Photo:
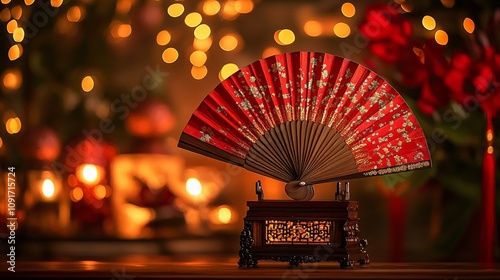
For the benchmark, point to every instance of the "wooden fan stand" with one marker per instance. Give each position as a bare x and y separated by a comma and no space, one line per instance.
302,231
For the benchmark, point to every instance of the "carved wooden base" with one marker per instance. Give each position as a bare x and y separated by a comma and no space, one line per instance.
297,232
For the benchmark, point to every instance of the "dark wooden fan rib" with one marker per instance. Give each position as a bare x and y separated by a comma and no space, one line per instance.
194,144
328,144
335,160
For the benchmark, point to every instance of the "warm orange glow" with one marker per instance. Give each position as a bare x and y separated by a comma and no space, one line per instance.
87,83
100,192
284,37
348,9
175,10
15,51
193,186
227,70
441,37
469,25
229,11
313,28
5,1
56,3
29,2
17,12
202,45
342,30
12,79
13,125
12,26
72,180
123,6
406,7
448,3
1,142
428,22
270,51
229,42
211,7
89,174
193,19
243,6
224,214
199,73
75,14
202,31
113,28
124,30
48,188
489,135
198,58
490,150
18,34
163,38
5,15
76,194
170,55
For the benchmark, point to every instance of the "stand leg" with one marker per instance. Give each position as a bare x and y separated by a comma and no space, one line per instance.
246,242
346,262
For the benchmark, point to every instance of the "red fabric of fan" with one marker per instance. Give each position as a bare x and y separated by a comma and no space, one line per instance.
308,117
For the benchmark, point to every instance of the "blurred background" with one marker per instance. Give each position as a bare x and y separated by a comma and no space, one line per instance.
94,96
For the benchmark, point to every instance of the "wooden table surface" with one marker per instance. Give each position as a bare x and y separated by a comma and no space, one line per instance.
143,267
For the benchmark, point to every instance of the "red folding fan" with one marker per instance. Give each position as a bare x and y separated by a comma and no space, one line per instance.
306,118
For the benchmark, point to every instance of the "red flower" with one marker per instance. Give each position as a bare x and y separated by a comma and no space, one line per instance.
474,83
431,70
388,33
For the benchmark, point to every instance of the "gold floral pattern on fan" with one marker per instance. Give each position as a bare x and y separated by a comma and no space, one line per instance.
308,117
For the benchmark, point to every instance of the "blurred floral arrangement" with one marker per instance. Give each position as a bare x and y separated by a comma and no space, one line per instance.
452,82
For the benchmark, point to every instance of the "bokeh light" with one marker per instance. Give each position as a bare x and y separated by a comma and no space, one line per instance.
227,70
342,30
202,45
175,10
469,25
199,73
13,125
429,22
202,31
170,55
15,51
193,19
87,83
163,37
441,37
18,34
193,187
243,6
198,58
56,3
228,42
211,7
348,9
284,37
75,14
313,28
12,79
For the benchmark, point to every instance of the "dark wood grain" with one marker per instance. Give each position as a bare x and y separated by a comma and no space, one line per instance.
227,268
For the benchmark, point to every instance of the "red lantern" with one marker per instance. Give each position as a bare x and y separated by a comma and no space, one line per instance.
86,162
